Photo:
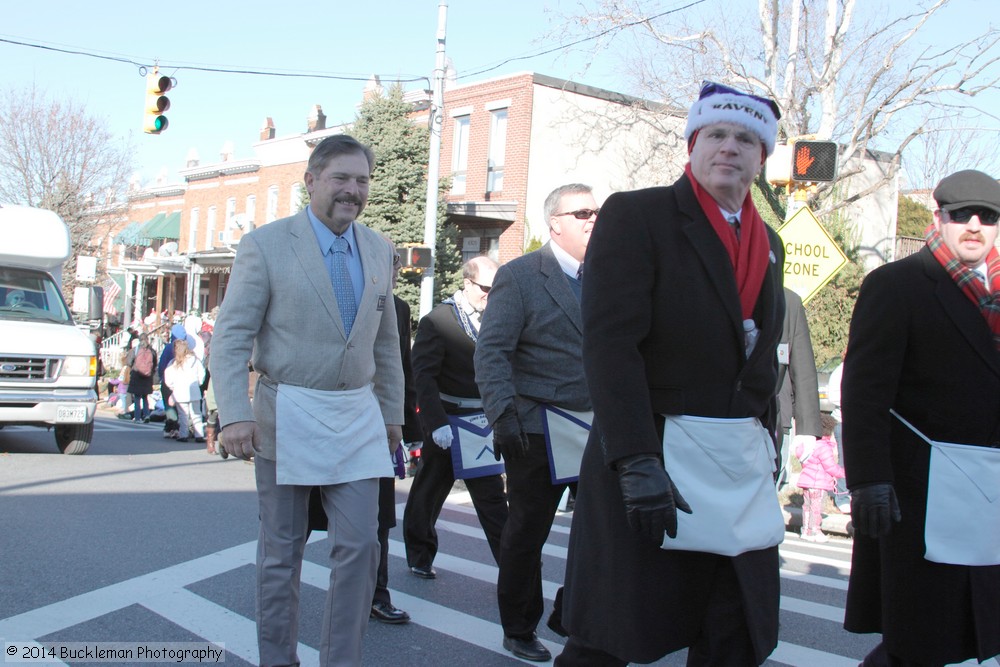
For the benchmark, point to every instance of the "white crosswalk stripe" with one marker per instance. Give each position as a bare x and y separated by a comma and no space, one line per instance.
813,603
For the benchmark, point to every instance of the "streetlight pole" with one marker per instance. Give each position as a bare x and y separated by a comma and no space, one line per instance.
434,161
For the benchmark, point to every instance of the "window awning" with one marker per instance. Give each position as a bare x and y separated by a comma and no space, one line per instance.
163,226
150,225
130,236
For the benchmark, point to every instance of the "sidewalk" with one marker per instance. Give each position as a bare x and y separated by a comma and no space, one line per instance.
836,523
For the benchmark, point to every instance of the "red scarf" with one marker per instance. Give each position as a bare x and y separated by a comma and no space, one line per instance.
988,301
750,255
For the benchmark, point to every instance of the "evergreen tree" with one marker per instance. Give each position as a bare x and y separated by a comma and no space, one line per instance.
398,195
912,218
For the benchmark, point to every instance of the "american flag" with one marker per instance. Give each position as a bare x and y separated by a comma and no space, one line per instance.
111,292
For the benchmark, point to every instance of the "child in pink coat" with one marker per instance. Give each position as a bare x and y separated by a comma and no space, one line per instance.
820,472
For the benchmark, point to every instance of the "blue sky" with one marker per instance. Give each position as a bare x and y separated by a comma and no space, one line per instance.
393,38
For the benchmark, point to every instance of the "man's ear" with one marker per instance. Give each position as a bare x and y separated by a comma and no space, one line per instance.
937,219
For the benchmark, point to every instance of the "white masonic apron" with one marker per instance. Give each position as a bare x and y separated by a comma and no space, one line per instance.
329,437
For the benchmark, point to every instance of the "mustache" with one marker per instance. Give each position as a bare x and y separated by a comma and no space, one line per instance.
348,200
972,236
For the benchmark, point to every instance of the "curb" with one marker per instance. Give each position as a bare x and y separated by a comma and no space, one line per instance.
839,524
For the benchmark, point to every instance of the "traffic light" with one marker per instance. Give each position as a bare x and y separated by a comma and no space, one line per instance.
417,257
814,161
154,121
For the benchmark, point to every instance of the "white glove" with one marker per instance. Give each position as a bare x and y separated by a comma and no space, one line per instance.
807,444
442,436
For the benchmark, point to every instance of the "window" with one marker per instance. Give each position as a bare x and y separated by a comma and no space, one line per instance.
498,149
193,231
295,201
251,209
210,228
272,203
460,155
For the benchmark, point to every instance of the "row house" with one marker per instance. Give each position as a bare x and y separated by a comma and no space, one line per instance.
506,143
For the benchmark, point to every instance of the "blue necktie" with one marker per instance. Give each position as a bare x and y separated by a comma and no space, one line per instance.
343,288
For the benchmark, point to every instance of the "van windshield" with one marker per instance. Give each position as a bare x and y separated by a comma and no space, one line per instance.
31,295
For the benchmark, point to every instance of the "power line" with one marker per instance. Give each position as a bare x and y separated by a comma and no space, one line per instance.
337,77
560,47
219,70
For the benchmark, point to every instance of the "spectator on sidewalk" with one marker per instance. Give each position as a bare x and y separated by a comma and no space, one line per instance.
820,472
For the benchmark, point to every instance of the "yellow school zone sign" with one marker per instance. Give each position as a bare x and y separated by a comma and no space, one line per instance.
812,258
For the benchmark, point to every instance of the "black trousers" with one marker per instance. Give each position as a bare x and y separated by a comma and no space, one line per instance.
431,486
533,500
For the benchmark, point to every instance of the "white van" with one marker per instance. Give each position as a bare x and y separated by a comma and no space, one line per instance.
48,367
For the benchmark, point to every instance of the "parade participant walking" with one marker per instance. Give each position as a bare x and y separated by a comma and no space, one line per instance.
923,364
798,389
445,380
310,300
529,354
683,308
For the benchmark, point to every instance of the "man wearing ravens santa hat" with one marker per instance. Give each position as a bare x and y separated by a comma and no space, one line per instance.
682,313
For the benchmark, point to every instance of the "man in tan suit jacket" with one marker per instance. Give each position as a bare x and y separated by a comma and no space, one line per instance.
310,304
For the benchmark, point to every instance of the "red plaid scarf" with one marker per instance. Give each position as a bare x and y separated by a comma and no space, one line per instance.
969,281
750,255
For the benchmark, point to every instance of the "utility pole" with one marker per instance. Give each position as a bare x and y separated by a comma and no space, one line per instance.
434,161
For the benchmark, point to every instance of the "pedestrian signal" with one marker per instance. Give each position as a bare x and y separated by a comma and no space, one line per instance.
814,161
154,121
417,257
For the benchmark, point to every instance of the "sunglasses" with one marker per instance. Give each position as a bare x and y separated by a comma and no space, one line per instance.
583,213
486,288
986,216
712,88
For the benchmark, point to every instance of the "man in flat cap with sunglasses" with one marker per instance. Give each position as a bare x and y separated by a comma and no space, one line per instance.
922,366
682,314
527,357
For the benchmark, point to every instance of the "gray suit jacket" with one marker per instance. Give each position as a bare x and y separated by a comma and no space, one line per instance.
281,309
530,342
798,388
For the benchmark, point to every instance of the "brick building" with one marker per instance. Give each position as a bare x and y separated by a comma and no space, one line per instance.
506,143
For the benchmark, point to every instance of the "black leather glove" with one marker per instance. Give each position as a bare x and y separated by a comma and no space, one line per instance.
872,507
651,499
509,439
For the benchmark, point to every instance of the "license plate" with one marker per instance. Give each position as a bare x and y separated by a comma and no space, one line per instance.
71,415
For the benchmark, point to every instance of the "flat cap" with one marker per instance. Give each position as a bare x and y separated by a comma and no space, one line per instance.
968,188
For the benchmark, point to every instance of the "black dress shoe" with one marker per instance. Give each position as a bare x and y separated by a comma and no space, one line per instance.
385,612
527,649
424,572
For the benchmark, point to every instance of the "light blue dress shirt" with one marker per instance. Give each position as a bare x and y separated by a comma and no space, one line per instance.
325,239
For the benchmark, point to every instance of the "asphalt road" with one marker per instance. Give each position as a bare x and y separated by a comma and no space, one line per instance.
147,540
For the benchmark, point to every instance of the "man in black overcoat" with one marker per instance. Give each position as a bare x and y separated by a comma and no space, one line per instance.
682,312
924,342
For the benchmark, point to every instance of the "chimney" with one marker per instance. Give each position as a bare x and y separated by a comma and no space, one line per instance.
192,158
267,130
373,88
317,119
226,153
